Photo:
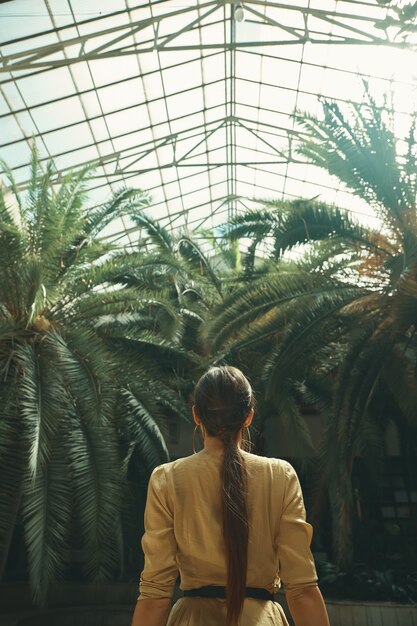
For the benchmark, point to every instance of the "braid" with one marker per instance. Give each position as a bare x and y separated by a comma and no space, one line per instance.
235,528
223,398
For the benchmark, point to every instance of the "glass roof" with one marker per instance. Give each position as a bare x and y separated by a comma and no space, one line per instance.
188,102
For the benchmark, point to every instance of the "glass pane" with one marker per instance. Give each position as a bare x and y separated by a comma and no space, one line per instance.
54,84
58,114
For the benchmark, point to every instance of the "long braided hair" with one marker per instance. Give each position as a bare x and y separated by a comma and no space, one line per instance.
223,399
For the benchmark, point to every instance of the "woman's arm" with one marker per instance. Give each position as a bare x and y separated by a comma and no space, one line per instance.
307,606
151,612
296,563
157,580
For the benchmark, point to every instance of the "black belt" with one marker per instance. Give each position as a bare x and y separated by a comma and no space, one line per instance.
211,591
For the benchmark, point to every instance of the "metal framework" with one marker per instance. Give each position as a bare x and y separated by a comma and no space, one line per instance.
347,28
187,101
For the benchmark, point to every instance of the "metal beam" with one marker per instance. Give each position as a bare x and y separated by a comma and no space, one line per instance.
201,134
354,30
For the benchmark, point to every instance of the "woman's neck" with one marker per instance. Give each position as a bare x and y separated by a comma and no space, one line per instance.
215,444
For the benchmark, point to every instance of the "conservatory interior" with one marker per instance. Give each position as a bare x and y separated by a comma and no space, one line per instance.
198,183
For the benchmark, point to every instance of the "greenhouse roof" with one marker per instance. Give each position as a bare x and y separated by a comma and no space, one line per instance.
192,101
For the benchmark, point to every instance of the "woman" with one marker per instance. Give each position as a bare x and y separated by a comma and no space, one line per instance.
232,524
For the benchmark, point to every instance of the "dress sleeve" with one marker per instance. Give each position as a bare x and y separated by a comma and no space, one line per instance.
159,544
296,563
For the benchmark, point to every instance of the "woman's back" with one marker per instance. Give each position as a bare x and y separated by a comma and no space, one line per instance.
230,523
184,533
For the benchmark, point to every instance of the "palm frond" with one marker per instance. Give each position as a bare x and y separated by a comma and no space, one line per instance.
158,235
285,406
297,347
39,205
317,221
12,466
132,269
228,251
129,306
196,258
145,435
70,198
400,377
81,359
95,475
254,301
360,148
6,214
14,188
256,224
63,217
82,243
12,248
125,201
148,350
40,391
81,318
47,515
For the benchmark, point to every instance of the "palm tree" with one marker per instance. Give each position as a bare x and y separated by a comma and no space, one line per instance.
259,320
377,376
346,311
184,272
76,406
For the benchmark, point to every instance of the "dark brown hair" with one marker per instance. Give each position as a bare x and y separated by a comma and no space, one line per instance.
223,398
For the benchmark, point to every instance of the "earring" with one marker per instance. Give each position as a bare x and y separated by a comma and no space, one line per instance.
194,432
247,439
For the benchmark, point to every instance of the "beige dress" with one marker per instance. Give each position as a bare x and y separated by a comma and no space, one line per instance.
183,536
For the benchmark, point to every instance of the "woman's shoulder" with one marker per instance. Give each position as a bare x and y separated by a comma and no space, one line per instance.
272,464
275,464
177,464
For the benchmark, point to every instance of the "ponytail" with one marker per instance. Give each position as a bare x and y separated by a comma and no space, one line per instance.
223,399
235,528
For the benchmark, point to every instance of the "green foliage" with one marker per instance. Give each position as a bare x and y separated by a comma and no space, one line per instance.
74,405
368,585
344,314
401,17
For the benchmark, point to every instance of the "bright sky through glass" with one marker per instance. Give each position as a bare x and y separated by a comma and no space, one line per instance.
181,100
